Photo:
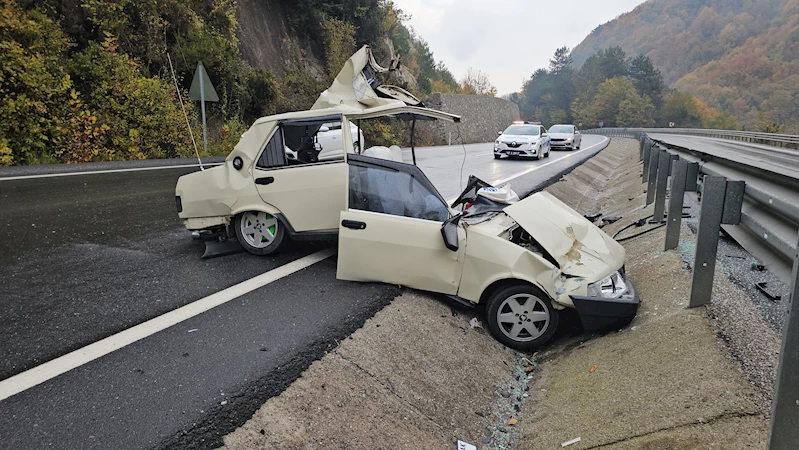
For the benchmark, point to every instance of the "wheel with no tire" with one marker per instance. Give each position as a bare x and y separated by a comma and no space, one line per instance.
258,232
521,317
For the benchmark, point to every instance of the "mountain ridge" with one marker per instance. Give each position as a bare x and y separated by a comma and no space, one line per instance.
738,56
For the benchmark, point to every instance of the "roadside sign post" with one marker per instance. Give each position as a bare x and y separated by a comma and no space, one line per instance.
202,90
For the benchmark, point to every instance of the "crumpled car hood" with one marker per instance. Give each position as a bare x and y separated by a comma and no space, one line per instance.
580,247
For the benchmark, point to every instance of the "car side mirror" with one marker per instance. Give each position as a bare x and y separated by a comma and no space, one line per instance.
323,129
449,231
544,134
576,132
499,133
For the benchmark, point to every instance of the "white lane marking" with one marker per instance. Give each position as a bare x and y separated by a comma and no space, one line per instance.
525,172
77,358
95,172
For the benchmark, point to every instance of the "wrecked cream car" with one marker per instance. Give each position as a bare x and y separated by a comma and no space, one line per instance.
280,181
524,260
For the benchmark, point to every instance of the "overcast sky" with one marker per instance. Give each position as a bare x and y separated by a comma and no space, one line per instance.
507,39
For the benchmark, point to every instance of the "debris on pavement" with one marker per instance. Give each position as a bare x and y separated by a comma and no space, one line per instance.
762,286
475,323
465,446
593,368
512,421
568,443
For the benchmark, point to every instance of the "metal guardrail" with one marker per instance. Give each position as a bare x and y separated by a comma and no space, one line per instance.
775,140
762,208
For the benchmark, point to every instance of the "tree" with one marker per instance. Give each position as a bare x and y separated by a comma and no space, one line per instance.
682,109
765,125
476,82
617,104
647,79
561,61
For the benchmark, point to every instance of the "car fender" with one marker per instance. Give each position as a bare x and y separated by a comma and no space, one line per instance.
254,205
490,259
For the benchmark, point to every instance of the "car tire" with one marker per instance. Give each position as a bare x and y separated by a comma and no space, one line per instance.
527,300
258,232
497,156
546,155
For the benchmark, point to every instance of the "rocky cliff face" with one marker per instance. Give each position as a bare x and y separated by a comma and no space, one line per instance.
481,117
267,41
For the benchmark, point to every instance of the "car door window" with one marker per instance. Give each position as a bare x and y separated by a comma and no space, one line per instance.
274,154
394,192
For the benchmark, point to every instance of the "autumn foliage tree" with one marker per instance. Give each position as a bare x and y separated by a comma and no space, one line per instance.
476,82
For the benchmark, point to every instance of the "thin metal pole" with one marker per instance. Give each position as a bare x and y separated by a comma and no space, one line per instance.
185,115
784,430
202,103
360,150
413,129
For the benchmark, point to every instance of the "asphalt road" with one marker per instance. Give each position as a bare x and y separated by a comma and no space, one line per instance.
86,256
783,161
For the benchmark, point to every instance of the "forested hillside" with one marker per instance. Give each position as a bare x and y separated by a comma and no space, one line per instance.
611,89
90,80
738,56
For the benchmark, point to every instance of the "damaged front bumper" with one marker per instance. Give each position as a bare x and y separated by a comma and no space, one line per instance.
604,313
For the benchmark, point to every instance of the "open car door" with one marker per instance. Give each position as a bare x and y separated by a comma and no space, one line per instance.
391,229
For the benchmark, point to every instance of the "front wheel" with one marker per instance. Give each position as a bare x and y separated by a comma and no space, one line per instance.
258,232
521,317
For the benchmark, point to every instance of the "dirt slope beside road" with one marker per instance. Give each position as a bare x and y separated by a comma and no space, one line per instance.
664,381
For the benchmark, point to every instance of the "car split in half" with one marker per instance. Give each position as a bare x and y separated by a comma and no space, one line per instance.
522,139
526,261
565,137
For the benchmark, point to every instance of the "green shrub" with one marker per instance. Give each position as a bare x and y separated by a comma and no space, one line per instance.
34,87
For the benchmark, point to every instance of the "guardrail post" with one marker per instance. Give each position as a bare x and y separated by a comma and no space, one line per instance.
721,204
784,429
647,154
664,167
654,156
690,179
707,239
676,198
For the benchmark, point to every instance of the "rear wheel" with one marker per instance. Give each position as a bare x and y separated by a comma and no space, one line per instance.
521,317
258,232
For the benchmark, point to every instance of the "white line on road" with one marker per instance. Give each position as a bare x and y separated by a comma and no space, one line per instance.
77,358
526,171
96,172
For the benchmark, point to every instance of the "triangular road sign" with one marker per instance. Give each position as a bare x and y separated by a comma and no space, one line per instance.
201,87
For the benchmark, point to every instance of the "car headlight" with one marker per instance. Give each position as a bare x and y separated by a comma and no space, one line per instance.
612,286
568,139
